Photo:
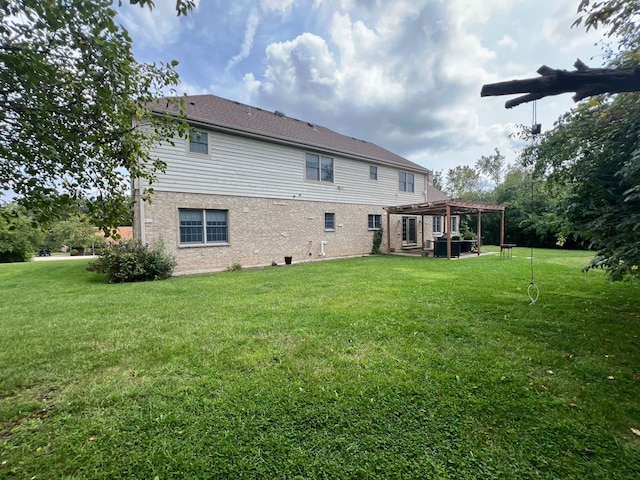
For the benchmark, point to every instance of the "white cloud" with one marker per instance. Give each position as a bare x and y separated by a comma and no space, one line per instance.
405,74
247,43
281,6
160,26
508,42
558,33
302,68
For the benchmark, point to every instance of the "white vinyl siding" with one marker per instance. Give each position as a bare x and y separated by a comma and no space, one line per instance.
245,167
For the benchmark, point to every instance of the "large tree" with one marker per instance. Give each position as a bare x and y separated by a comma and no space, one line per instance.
74,117
595,150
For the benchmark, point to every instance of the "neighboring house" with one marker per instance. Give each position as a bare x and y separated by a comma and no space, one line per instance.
251,186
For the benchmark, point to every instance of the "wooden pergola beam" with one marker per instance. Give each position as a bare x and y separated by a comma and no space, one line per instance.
584,81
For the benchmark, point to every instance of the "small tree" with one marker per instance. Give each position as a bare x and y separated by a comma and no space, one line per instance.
377,241
76,231
19,238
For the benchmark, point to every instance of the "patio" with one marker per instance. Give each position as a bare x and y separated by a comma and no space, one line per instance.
447,208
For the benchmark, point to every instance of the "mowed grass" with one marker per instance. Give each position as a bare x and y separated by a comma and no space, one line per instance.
376,367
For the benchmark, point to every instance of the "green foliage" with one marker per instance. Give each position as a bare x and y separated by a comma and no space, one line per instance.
618,17
75,108
377,241
182,6
234,267
133,262
438,180
463,182
19,238
492,167
595,151
75,231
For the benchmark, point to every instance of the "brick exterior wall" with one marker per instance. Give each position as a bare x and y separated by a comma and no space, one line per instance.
262,231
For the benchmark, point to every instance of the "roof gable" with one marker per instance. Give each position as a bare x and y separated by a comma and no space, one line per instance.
219,113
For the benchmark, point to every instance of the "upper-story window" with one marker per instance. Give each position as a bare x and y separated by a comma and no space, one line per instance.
198,142
373,172
319,168
406,182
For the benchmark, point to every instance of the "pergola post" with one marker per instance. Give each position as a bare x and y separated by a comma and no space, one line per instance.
446,229
502,227
479,231
422,227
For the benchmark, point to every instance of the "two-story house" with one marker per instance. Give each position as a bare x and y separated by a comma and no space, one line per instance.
251,186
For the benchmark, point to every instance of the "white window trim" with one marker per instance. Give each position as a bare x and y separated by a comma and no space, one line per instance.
324,219
320,181
374,228
188,146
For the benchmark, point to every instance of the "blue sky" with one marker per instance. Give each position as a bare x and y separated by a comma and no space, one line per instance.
405,75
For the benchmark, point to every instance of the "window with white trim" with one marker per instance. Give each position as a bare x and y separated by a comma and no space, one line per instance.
454,224
375,222
198,142
437,224
406,182
329,221
373,172
318,168
203,227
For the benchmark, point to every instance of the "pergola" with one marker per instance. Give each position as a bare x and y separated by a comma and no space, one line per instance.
447,208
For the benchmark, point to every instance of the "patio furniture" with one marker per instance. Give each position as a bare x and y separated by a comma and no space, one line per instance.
505,250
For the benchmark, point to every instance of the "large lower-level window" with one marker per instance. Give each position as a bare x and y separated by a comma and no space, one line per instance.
198,227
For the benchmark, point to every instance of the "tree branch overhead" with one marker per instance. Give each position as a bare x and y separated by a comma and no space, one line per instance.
584,82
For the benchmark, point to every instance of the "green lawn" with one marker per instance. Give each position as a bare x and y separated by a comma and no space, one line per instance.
377,367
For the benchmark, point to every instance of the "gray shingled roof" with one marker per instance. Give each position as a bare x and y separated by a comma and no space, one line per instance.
221,114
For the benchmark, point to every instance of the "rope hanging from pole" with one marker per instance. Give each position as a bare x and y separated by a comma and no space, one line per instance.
533,291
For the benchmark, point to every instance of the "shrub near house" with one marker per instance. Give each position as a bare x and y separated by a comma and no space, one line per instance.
133,262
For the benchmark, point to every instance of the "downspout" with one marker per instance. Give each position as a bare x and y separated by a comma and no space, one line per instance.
139,204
